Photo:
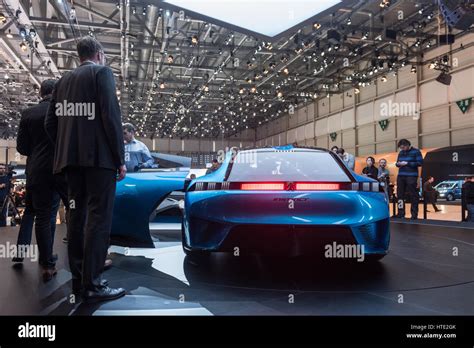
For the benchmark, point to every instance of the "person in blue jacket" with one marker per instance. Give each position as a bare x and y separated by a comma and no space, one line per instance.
408,162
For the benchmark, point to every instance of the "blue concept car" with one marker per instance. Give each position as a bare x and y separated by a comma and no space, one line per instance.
142,194
284,199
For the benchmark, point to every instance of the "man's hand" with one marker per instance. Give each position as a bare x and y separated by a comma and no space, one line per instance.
122,171
402,164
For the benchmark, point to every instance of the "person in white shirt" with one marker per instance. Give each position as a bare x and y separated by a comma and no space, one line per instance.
137,155
347,158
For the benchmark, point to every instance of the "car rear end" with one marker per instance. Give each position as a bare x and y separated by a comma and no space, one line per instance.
294,201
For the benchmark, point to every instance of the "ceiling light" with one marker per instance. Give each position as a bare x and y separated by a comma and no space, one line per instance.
413,69
23,46
32,33
23,32
9,34
3,18
384,3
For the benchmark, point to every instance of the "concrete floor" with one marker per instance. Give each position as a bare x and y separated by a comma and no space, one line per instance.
420,276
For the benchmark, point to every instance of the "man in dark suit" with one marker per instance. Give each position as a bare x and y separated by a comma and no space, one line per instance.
84,121
41,184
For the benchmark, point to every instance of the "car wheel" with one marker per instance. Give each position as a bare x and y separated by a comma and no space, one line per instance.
450,197
195,256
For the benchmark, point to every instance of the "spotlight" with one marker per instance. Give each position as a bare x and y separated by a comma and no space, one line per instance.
317,25
23,32
32,33
433,65
9,34
444,78
170,59
3,18
356,90
253,89
280,94
384,3
162,85
286,71
241,91
384,78
23,46
194,40
413,69
72,14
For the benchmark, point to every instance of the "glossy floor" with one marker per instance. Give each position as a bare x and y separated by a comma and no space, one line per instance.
421,276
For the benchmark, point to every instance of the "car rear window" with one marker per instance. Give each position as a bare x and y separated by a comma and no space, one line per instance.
297,165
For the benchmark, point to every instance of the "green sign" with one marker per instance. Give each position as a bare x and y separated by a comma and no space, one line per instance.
384,124
333,136
464,104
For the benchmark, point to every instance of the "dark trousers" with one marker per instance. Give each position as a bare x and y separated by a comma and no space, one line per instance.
42,200
28,218
406,190
3,209
91,193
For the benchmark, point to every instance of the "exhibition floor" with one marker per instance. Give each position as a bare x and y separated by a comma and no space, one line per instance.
420,276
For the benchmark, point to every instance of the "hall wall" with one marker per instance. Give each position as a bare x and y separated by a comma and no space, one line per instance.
353,119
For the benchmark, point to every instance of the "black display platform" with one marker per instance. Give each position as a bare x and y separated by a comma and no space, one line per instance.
420,270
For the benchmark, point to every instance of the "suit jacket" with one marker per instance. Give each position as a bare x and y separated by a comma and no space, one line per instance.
84,120
32,141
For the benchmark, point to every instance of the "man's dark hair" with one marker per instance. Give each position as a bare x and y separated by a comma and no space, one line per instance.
403,142
341,151
215,161
88,47
129,127
47,87
334,147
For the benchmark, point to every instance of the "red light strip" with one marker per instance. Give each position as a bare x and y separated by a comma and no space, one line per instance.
263,187
317,187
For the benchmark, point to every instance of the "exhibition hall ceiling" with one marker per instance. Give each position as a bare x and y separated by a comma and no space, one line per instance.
212,68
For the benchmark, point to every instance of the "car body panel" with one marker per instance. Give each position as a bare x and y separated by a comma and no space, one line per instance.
137,196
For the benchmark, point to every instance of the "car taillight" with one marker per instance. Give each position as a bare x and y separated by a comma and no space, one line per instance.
317,187
263,187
